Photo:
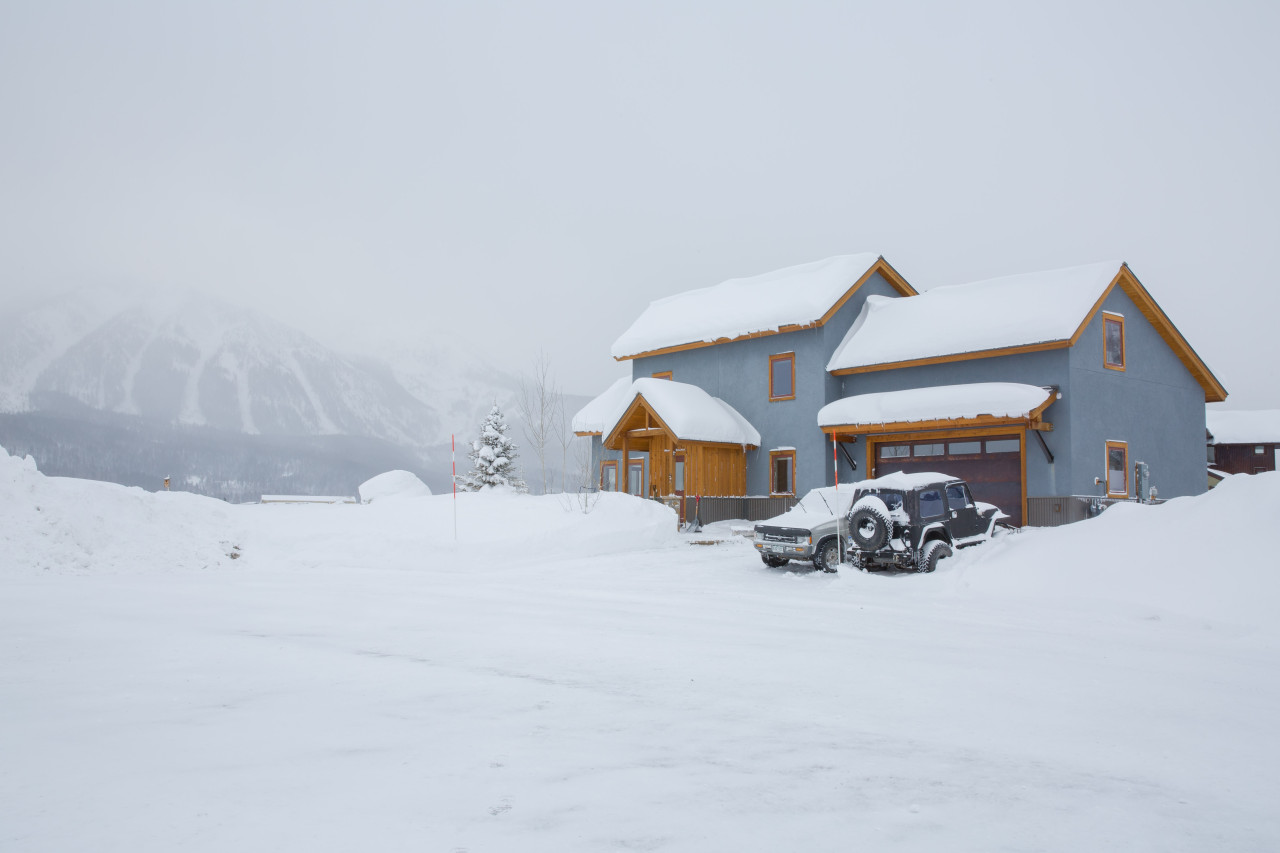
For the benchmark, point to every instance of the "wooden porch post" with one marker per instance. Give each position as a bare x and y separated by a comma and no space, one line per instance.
625,474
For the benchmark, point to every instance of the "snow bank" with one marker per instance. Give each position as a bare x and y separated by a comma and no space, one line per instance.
494,528
1252,427
1002,312
393,484
797,295
63,524
942,402
1208,557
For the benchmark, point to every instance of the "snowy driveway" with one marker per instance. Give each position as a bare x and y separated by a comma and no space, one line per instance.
676,698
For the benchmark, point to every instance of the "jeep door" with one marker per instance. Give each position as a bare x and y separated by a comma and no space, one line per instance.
966,521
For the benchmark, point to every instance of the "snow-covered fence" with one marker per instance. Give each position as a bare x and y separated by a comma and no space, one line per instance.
1056,511
754,508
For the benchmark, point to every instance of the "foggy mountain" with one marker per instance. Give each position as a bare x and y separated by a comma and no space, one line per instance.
133,386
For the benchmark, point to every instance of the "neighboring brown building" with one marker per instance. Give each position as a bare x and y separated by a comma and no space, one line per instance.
1244,442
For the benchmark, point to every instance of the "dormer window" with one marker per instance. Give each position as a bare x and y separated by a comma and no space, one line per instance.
1113,341
782,376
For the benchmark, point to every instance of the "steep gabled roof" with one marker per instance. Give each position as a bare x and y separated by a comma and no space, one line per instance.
685,412
785,300
591,418
1002,316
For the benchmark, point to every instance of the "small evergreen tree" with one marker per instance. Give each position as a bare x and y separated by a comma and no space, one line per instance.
493,456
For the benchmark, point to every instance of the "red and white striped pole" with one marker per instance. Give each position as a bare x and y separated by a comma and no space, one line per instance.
453,460
835,466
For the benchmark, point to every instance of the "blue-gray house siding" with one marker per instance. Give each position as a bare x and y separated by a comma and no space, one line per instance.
738,373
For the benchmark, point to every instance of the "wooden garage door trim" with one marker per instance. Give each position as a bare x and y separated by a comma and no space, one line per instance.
902,437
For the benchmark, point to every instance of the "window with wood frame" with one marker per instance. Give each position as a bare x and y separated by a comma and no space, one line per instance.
665,374
635,477
1117,469
1113,341
782,376
782,472
608,476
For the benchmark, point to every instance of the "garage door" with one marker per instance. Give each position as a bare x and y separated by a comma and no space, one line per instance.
991,464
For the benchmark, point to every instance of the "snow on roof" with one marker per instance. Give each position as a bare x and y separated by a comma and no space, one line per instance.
691,413
798,295
1261,426
591,417
940,402
1012,311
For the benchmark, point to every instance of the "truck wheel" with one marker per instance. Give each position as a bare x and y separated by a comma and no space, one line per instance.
827,555
933,551
774,562
870,528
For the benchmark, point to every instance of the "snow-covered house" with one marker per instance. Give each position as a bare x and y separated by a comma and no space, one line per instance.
1244,442
1039,385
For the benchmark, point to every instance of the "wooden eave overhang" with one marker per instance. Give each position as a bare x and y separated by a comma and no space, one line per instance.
641,422
1214,392
880,266
587,433
1032,420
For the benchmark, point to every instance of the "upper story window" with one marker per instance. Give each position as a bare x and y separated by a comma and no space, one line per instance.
1113,341
782,376
665,374
1117,469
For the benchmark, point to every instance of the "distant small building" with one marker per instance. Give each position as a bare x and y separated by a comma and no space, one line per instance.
309,499
1243,442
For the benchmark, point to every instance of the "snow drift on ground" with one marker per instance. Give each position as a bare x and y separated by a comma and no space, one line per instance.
573,676
1207,557
393,484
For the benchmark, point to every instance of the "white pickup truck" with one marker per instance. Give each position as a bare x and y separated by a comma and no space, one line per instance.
813,530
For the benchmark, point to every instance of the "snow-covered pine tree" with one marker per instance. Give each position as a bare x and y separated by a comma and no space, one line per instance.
493,456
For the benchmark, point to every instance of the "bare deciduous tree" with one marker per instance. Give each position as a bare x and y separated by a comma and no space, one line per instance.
536,402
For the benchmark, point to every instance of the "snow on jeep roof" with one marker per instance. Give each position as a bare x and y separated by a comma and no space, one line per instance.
905,481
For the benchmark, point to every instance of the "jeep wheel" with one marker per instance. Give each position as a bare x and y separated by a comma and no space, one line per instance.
827,555
933,551
774,562
870,528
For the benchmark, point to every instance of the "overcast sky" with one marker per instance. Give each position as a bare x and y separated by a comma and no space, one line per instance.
521,176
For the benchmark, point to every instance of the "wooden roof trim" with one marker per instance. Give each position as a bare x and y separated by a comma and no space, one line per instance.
975,423
588,433
613,441
638,404
1214,391
880,266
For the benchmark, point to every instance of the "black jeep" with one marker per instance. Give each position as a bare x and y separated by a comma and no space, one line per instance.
911,521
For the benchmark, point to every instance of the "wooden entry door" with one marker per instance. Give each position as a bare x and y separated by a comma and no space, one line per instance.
677,480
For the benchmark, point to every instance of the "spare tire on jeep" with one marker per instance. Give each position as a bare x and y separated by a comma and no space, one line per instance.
869,525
